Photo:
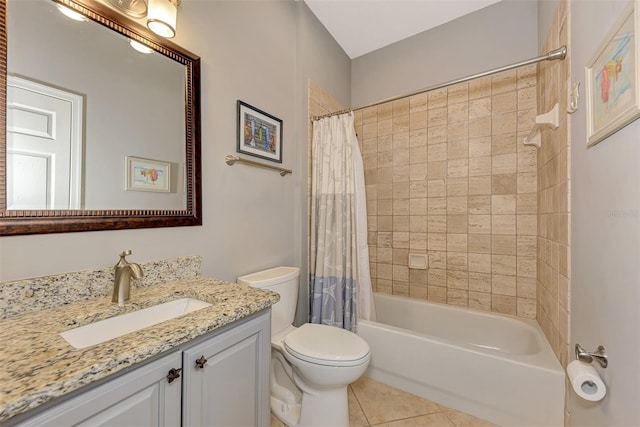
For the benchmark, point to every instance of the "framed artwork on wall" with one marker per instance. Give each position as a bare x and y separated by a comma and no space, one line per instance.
147,175
259,133
612,75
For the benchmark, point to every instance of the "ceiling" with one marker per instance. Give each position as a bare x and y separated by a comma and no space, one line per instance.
362,26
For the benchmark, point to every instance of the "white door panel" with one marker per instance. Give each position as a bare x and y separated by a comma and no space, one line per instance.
44,148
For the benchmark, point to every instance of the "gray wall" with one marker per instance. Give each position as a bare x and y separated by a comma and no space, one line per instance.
252,217
500,34
605,230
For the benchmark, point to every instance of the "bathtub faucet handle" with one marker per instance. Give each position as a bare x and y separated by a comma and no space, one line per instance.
600,355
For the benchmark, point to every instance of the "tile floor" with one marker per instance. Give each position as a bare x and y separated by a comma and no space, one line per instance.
375,404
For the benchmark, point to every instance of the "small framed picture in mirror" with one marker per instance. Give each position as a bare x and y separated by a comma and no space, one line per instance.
147,175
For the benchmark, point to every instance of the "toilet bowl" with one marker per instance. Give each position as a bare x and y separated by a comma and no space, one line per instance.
312,365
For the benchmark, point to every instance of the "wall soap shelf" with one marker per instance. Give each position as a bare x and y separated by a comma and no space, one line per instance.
550,118
231,160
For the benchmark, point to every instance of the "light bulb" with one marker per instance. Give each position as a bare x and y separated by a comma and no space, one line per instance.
70,13
161,18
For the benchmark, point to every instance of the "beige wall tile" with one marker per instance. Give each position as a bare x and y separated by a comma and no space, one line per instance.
446,175
418,138
457,297
480,127
437,260
456,243
479,263
457,224
504,144
457,186
479,88
457,261
437,223
418,103
503,244
504,82
504,265
417,206
503,204
457,131
437,242
437,294
458,112
504,102
456,205
503,304
480,301
479,185
458,93
479,166
479,243
479,205
479,147
503,224
479,282
437,277
458,150
437,134
504,123
505,184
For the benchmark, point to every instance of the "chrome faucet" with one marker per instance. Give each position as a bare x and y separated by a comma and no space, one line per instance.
122,281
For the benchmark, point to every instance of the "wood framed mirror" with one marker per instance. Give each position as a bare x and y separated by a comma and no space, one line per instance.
129,126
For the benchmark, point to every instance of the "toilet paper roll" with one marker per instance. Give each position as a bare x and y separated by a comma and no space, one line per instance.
585,381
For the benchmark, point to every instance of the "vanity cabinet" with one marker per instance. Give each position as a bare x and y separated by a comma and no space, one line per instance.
226,379
230,389
142,397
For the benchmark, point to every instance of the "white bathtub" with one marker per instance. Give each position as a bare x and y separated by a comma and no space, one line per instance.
495,367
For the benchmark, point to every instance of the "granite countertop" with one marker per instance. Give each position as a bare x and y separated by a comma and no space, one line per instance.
39,365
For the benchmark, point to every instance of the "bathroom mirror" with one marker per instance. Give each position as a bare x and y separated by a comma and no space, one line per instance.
97,135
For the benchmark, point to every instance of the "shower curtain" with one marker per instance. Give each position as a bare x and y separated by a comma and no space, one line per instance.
340,283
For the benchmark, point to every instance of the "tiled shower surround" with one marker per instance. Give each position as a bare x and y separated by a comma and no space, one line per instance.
447,175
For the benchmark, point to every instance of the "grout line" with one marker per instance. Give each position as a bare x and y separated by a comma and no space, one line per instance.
360,405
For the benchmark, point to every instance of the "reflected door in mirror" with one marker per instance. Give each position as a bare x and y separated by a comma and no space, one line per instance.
44,146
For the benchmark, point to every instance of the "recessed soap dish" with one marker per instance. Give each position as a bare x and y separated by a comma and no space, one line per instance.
418,261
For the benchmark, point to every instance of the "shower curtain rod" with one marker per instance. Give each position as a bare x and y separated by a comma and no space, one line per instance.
559,53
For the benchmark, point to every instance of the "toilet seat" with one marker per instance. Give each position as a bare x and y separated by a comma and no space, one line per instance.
326,345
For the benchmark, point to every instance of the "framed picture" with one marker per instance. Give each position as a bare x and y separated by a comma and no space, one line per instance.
147,175
613,94
259,133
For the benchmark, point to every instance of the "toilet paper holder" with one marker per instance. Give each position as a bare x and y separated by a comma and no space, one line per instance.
600,355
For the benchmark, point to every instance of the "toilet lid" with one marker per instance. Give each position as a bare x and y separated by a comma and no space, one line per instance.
326,345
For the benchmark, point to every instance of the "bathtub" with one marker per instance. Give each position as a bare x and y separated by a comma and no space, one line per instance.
495,367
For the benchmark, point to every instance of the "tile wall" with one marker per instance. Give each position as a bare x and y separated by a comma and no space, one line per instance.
447,175
554,214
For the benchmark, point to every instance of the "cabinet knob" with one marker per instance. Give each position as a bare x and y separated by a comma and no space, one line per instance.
201,362
173,374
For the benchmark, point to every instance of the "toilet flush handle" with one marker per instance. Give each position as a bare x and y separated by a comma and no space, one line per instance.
201,362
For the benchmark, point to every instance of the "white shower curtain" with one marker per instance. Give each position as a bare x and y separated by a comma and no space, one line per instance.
340,283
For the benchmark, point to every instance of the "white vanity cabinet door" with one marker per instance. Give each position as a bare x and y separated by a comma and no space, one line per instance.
142,397
232,389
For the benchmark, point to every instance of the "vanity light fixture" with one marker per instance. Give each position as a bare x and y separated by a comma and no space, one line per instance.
162,17
139,46
134,8
70,13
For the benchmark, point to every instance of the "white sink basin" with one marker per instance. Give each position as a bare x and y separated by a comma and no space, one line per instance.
114,327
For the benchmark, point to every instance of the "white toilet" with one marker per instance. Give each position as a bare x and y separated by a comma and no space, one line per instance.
311,366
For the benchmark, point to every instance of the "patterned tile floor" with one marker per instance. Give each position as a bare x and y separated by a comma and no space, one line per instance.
375,404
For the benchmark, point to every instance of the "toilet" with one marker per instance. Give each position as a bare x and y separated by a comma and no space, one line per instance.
311,365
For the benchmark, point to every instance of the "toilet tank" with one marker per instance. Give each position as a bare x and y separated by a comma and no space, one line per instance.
284,281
